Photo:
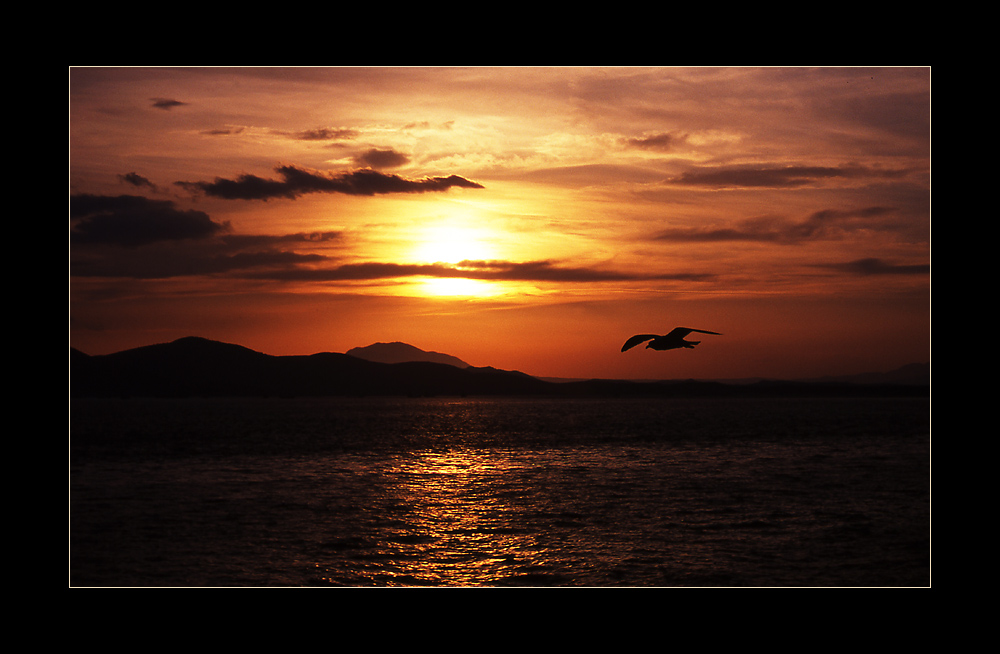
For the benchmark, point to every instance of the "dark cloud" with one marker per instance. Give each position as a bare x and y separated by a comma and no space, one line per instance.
376,158
534,271
244,187
772,229
163,262
134,220
548,271
662,142
136,180
830,221
166,103
873,266
775,176
224,131
268,240
224,253
747,231
540,271
296,181
319,134
326,134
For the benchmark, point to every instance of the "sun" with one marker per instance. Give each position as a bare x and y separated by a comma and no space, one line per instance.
448,244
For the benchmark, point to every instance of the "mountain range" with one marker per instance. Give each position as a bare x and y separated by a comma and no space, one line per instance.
199,367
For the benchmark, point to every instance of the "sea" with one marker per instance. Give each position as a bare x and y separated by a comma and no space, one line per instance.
500,492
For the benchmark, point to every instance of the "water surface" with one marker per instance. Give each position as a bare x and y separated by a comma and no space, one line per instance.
500,492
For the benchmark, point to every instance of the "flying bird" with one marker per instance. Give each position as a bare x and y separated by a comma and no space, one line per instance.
671,341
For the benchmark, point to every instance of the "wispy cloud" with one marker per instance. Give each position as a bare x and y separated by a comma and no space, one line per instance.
530,271
298,181
775,176
827,223
660,141
270,240
326,134
134,179
874,266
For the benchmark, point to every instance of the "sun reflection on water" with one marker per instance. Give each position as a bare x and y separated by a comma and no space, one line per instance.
463,515
457,520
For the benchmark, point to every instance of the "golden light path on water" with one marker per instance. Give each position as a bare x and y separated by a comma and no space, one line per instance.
487,516
469,527
473,516
448,519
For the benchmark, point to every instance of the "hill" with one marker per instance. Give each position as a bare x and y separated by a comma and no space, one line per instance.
198,367
402,353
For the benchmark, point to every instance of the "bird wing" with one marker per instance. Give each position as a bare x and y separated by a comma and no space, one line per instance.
635,340
681,332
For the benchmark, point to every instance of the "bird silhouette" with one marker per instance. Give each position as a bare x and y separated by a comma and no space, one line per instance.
671,341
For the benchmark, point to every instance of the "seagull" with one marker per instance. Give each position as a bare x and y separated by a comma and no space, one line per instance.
673,340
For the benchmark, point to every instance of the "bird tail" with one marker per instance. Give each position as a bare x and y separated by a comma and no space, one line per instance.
691,344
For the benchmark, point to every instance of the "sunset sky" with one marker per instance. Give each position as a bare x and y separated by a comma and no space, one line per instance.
523,218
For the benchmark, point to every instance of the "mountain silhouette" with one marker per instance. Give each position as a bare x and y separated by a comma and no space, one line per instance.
199,367
402,353
194,366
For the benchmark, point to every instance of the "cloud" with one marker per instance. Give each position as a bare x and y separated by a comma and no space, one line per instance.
775,176
318,134
224,131
132,220
326,134
136,180
375,158
873,266
827,223
164,263
224,253
166,103
548,271
297,181
661,141
538,271
269,240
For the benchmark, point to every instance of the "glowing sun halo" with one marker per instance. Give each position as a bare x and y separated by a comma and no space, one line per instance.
445,244
451,245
